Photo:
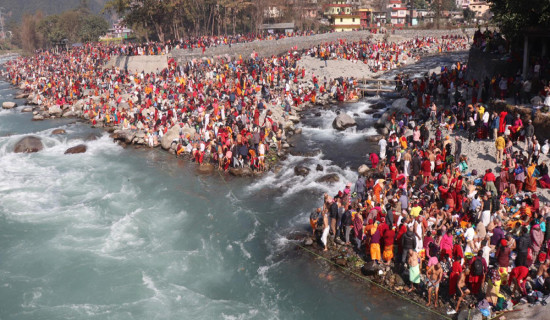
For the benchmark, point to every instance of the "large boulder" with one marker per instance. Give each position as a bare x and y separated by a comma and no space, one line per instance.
55,111
171,135
363,170
37,117
9,105
378,106
400,106
301,171
59,131
374,138
329,178
21,95
28,144
81,148
343,121
241,172
205,168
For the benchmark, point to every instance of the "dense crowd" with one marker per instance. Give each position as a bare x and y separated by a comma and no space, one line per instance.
224,107
424,208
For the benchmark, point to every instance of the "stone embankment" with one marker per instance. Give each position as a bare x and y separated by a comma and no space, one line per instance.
268,47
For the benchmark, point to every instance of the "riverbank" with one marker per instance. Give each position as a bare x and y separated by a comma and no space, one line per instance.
114,105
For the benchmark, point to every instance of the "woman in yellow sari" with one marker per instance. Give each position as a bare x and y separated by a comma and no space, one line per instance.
530,180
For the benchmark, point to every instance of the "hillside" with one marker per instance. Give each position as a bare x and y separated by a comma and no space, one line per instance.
14,9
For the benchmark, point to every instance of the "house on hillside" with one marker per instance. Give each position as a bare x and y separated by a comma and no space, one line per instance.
341,17
481,9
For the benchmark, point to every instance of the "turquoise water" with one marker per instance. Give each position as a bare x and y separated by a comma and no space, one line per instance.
119,233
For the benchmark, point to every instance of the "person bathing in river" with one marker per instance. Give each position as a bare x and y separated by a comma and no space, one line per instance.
434,276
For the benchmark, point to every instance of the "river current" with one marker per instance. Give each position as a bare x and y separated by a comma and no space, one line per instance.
125,233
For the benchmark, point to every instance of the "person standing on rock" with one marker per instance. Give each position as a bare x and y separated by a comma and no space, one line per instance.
314,219
529,133
458,148
500,144
414,269
360,188
374,159
382,143
326,229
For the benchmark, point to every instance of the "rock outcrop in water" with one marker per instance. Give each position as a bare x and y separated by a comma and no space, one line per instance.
301,171
28,144
343,121
9,105
59,131
81,148
329,178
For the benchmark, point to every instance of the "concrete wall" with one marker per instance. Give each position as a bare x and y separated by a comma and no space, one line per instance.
139,63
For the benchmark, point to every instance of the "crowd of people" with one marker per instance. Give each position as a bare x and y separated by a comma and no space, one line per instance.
384,56
223,106
425,209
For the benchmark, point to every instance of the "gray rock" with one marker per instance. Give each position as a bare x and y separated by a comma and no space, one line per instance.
329,178
308,242
26,109
400,106
301,171
205,168
343,121
81,148
28,144
298,131
68,114
378,106
319,168
241,172
374,138
383,131
363,169
171,135
59,131
9,105
21,95
55,111
37,117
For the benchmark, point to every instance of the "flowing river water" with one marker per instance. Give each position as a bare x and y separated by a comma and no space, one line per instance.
125,233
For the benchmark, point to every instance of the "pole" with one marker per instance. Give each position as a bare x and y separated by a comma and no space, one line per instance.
2,34
525,56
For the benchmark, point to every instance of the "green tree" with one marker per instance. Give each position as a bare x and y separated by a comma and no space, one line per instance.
92,28
514,16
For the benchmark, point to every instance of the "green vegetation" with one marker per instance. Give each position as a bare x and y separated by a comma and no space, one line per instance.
77,25
514,16
163,19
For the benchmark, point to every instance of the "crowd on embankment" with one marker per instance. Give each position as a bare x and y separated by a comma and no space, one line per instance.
227,112
456,200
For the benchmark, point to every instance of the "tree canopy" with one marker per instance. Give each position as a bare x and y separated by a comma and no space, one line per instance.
514,16
178,18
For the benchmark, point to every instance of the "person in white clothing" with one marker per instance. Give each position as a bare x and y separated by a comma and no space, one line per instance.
382,143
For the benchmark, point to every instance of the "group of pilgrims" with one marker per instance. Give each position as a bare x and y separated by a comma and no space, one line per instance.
455,234
224,107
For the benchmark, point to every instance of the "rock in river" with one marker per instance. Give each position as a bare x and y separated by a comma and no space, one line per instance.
9,105
301,171
81,148
329,178
58,131
343,121
28,144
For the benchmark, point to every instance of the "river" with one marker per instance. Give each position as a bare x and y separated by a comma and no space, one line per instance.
125,233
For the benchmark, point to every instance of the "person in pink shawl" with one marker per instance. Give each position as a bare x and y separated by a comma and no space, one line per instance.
447,244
